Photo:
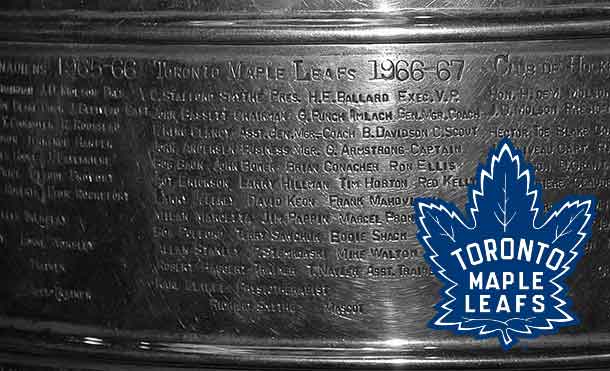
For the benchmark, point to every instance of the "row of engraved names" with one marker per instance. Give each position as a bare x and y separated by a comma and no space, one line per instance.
226,157
322,68
197,113
202,132
188,114
174,150
341,210
20,118
258,262
96,134
272,95
571,159
179,182
240,95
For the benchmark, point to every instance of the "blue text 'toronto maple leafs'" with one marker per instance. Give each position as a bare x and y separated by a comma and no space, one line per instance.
503,263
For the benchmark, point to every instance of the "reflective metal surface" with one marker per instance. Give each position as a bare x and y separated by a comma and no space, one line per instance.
232,186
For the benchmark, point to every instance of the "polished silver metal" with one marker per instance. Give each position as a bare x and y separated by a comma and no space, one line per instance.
184,184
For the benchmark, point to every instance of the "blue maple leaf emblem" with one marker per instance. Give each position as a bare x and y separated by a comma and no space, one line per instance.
503,263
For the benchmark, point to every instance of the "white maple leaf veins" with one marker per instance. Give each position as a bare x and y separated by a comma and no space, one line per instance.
504,262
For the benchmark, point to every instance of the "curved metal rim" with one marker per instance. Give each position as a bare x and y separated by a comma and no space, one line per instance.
306,28
582,351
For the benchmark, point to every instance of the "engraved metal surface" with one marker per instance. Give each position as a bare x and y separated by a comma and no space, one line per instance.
284,6
251,205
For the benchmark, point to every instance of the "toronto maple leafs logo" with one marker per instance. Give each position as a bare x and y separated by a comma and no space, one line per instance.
503,263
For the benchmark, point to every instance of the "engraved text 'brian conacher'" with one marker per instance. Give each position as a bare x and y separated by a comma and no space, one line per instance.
189,192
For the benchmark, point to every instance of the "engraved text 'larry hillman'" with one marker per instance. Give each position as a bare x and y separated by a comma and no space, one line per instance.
268,192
